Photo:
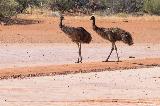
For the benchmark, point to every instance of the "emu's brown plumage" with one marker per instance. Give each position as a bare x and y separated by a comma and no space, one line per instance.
78,35
113,35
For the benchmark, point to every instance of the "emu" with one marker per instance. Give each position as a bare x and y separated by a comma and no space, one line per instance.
78,35
113,35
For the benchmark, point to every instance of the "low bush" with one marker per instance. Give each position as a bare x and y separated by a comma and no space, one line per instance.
8,8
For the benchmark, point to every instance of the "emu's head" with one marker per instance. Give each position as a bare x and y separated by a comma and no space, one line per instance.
61,18
127,38
92,18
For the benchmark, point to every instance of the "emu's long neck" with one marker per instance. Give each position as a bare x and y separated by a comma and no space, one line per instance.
60,24
66,29
94,25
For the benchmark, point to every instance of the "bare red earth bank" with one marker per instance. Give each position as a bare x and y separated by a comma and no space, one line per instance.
76,68
144,30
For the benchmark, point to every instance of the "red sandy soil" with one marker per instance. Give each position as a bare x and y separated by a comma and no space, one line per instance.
75,68
143,29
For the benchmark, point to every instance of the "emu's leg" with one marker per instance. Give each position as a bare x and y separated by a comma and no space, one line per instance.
80,52
80,57
116,52
110,53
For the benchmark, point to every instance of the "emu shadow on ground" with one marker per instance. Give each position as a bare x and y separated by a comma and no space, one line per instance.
18,21
113,61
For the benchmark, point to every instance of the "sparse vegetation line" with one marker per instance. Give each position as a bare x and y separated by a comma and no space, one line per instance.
10,8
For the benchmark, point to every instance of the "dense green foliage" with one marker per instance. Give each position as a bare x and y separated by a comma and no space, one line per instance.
8,8
152,6
109,6
23,4
11,7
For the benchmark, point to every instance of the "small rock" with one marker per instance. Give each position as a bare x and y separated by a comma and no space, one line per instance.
148,47
131,57
140,64
125,21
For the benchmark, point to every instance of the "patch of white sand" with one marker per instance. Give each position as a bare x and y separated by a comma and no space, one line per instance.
69,90
20,55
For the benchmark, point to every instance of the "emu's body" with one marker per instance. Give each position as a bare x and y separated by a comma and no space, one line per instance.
113,35
78,35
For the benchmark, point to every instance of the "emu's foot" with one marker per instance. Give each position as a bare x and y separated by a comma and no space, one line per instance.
78,61
105,61
118,61
111,61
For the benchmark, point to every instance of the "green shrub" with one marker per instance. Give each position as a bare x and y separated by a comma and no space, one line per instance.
8,8
62,5
24,4
152,6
